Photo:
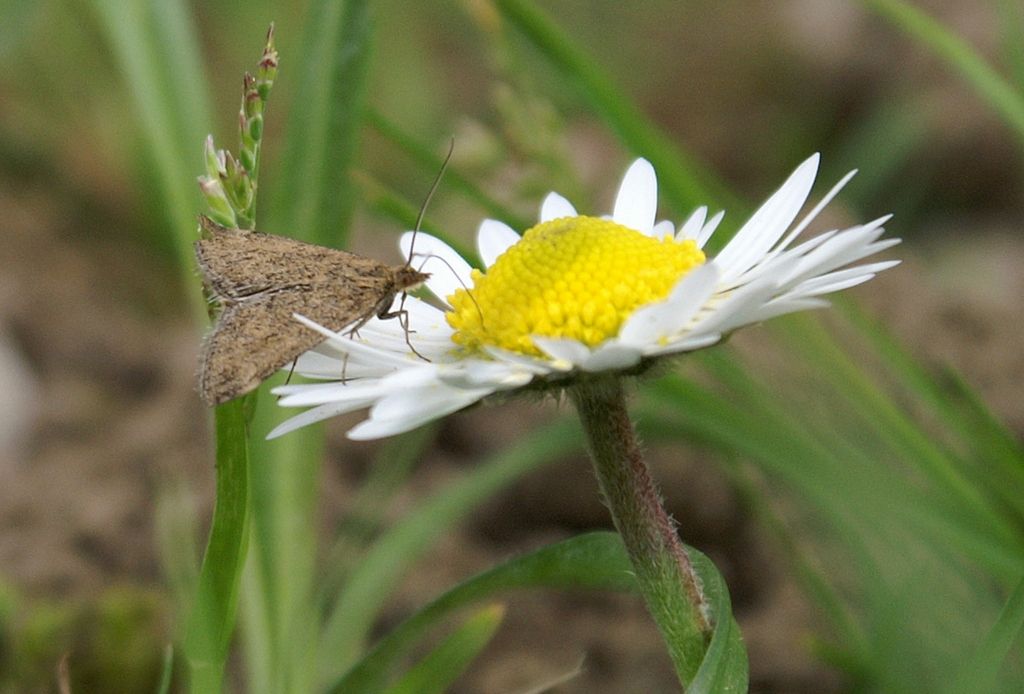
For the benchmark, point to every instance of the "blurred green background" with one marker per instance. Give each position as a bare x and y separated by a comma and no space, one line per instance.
104,447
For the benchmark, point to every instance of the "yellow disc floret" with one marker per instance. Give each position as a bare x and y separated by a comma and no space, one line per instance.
574,277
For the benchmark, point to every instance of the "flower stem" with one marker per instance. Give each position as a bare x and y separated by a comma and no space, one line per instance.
664,573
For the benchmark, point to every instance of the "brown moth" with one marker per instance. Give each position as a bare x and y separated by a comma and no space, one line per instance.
260,280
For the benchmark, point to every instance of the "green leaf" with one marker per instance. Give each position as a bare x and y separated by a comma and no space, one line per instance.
209,629
724,669
594,561
434,673
369,586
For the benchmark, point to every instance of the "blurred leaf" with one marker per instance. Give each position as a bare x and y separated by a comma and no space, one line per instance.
348,624
443,665
990,85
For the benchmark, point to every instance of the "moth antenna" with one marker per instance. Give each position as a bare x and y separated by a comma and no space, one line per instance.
430,195
457,279
412,243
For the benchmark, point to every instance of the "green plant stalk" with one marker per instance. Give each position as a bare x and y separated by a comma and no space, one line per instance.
208,635
664,573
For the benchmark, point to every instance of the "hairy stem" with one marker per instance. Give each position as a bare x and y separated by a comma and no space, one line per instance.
663,570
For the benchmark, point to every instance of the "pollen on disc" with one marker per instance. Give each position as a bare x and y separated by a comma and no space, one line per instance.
574,277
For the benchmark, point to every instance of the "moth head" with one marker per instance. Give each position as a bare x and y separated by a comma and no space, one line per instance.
407,277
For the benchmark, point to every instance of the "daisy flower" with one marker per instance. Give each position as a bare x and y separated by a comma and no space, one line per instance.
577,296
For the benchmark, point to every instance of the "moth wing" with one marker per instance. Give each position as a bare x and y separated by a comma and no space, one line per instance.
237,264
255,337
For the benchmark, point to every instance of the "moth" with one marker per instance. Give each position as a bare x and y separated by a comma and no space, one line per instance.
260,280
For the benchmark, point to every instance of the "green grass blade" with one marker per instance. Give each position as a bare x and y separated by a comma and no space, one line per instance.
438,670
981,672
348,625
594,561
166,672
990,85
168,91
430,161
314,200
681,180
1011,21
208,634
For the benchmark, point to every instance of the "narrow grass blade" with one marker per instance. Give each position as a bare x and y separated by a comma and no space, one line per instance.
442,666
348,625
208,634
981,672
1011,21
166,672
990,85
314,200
429,161
168,91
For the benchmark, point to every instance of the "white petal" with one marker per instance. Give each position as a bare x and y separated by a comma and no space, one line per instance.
656,321
306,418
477,373
705,234
534,365
562,350
409,409
663,229
448,270
693,224
556,207
494,238
637,201
766,226
687,344
357,395
350,346
612,355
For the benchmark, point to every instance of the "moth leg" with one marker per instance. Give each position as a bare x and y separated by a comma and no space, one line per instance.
403,319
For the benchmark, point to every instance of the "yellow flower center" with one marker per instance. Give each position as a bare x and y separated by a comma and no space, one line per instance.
574,277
